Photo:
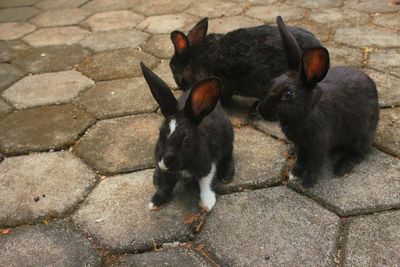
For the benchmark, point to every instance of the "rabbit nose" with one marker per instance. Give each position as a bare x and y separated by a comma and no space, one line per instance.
169,159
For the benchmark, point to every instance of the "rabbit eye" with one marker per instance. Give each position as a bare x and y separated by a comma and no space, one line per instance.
289,94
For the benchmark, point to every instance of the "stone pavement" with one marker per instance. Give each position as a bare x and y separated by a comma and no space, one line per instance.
78,127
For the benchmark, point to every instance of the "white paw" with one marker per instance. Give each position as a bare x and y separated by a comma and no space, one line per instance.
153,207
207,200
292,177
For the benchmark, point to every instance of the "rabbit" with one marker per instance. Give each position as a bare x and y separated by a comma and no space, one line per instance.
195,139
234,57
322,110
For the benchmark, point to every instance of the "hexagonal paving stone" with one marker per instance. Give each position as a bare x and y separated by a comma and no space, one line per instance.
316,4
212,9
59,4
161,7
45,184
334,17
271,128
259,160
46,245
387,20
163,70
28,131
15,30
269,13
50,58
167,23
111,40
172,257
4,108
373,240
47,88
224,25
368,36
107,5
10,49
344,56
118,97
388,60
386,85
321,32
371,6
116,64
275,227
17,14
9,75
113,20
261,2
373,185
388,134
116,214
122,144
60,17
16,3
56,36
160,46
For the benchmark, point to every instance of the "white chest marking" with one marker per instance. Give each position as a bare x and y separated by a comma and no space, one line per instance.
162,166
172,126
207,196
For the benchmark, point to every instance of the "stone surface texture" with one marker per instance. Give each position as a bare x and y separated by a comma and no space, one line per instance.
56,36
60,17
113,20
15,30
9,75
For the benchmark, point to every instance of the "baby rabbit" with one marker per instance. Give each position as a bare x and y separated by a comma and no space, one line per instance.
196,139
322,109
234,57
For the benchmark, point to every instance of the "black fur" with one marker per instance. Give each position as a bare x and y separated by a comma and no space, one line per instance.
322,111
200,138
246,60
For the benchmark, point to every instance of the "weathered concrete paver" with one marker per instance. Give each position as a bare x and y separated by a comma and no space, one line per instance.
270,227
9,49
385,84
46,88
163,70
344,56
160,46
388,133
43,185
224,25
371,6
108,5
387,20
17,14
117,98
367,36
212,9
269,13
116,214
59,4
60,17
335,17
167,23
46,245
387,60
9,75
42,128
16,3
161,7
113,20
15,30
373,240
316,4
56,36
120,145
4,108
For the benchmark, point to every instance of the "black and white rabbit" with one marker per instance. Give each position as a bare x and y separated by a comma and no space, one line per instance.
322,110
245,60
196,139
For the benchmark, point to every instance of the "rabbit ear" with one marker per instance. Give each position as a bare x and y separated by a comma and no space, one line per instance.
181,43
315,65
292,48
202,99
160,91
199,32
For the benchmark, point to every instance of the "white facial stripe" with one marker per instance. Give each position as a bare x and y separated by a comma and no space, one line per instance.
172,126
207,196
162,166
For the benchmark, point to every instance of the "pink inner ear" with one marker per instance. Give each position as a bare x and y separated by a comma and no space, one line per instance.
315,63
204,97
180,42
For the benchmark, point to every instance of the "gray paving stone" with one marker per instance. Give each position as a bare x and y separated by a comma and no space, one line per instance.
387,20
113,20
118,98
46,245
9,75
56,36
116,214
43,185
60,17
387,60
59,4
269,13
371,6
316,4
50,58
112,40
17,14
259,160
160,46
373,185
120,145
271,128
167,23
224,25
170,257
161,7
270,227
9,49
335,17
321,31
373,240
16,3
116,64
163,70
388,134
108,5
387,88
344,56
238,109
261,2
27,130
366,36
212,9
15,30
4,108
46,88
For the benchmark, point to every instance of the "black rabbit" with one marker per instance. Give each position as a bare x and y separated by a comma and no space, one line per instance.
322,110
196,139
246,60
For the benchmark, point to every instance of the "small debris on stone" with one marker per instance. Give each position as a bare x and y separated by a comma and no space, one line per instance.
5,231
36,199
